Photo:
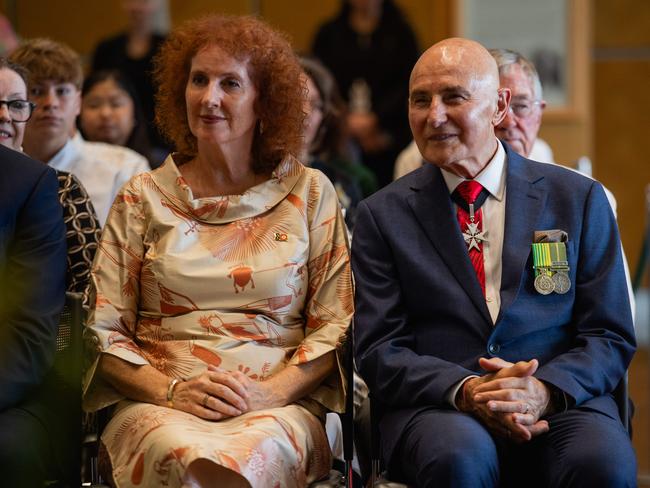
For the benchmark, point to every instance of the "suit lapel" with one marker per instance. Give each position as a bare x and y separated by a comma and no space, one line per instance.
525,200
433,209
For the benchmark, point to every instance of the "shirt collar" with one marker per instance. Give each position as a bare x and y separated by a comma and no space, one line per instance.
492,177
77,138
64,159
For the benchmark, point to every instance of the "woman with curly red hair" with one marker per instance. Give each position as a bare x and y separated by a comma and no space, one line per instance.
222,284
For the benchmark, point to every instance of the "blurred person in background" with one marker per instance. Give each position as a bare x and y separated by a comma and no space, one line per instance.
370,48
132,52
521,124
54,83
111,113
8,38
325,140
82,226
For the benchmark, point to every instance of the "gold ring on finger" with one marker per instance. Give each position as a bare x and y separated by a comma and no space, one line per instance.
205,400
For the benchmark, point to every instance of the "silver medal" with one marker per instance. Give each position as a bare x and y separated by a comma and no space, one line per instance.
561,282
544,284
472,235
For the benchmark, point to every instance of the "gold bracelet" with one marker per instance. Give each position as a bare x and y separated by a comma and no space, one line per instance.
170,391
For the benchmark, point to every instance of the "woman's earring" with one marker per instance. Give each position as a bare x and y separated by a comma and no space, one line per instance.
261,126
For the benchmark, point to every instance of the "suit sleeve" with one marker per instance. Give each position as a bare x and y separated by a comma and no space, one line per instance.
33,284
604,340
385,347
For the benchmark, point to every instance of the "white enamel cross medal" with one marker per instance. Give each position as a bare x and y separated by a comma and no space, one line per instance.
473,237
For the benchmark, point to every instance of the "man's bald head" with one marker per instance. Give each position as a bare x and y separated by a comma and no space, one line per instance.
457,53
454,104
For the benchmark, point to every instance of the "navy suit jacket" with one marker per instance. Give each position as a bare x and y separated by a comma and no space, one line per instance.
32,273
421,322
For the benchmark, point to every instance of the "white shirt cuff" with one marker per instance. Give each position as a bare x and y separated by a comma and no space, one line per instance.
453,391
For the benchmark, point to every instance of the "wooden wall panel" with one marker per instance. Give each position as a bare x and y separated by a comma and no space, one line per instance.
187,9
622,125
569,140
300,21
621,110
622,23
79,24
422,16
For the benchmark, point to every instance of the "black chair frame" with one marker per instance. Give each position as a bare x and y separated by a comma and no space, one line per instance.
65,380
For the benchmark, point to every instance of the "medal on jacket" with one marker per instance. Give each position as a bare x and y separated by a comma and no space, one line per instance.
473,237
551,268
560,267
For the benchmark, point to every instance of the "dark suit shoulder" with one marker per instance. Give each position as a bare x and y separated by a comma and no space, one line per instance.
16,162
402,187
556,178
566,184
20,171
556,171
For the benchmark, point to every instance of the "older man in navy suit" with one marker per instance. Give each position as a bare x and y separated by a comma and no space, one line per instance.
32,293
492,321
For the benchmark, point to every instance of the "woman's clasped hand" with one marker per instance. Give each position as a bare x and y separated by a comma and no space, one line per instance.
213,395
217,394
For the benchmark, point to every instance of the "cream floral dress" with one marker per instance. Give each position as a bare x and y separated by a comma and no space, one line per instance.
252,282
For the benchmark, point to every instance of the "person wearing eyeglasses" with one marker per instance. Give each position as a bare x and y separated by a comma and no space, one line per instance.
15,110
520,126
32,272
82,227
55,77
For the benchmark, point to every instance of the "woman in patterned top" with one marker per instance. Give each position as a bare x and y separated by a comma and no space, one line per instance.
222,283
82,227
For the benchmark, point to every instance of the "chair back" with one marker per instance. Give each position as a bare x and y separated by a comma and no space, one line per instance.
337,479
63,385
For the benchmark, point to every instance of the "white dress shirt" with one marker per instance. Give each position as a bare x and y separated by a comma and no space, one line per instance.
541,152
493,179
101,168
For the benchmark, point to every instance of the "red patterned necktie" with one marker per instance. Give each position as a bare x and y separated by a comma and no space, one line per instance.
469,196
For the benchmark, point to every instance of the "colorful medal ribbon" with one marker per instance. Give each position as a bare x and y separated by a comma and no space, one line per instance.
551,267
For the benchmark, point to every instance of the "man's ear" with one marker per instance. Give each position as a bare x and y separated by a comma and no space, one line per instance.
503,102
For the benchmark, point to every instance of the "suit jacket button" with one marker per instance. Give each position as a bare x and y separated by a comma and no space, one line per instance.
494,348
